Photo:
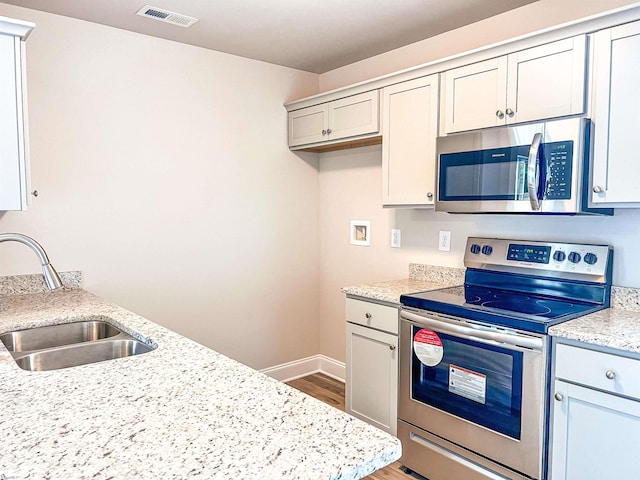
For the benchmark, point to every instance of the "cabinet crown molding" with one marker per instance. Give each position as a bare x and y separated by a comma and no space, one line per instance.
585,25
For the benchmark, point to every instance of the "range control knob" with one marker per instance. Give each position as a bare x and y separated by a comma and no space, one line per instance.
475,249
559,256
487,249
590,258
574,257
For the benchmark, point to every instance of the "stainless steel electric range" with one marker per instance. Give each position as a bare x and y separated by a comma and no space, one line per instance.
475,359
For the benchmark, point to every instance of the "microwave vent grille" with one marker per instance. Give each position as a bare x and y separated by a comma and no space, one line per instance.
166,16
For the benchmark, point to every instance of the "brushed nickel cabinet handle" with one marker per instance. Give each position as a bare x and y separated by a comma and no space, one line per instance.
559,397
610,374
500,114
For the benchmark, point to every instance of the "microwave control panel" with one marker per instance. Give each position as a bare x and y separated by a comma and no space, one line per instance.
558,158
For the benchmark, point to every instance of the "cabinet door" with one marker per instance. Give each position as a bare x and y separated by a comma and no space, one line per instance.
14,180
595,435
355,115
547,81
474,96
617,101
372,377
308,125
409,131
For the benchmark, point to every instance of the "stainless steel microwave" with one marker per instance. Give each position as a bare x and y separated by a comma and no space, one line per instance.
539,168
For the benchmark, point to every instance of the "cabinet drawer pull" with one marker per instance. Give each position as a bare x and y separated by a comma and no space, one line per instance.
328,131
392,347
500,114
510,112
324,132
368,315
429,195
597,189
559,397
610,374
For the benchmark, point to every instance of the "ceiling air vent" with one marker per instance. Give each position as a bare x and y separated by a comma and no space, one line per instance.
166,16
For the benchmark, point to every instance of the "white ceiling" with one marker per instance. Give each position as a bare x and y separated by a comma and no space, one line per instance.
316,36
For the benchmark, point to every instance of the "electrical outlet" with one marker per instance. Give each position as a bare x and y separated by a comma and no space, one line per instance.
444,243
395,238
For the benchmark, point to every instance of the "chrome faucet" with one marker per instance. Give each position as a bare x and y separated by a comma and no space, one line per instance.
49,273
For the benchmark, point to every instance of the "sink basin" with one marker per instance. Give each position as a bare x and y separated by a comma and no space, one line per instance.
67,345
72,355
57,335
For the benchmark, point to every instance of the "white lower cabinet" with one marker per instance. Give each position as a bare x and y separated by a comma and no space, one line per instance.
595,432
372,364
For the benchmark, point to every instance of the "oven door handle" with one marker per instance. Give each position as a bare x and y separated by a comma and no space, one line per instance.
456,459
475,333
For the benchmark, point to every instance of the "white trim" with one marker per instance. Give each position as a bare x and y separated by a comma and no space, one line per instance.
17,28
306,366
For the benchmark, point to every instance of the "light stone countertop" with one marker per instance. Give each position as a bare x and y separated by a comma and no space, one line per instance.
421,278
617,327
390,291
180,411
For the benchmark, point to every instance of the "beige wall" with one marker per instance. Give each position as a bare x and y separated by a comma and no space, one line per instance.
164,175
350,187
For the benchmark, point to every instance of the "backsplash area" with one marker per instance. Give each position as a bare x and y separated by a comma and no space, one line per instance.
23,284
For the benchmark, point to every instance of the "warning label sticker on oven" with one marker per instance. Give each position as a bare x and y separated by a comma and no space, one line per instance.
468,384
428,347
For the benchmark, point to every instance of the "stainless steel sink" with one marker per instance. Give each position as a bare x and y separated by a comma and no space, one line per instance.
72,355
71,344
57,335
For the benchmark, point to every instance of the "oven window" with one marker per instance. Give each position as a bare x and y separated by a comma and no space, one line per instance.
475,381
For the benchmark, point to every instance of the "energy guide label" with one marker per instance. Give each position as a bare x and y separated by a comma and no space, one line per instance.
428,347
468,384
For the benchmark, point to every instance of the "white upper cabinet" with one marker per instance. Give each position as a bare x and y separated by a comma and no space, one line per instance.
617,102
350,117
409,130
534,84
14,158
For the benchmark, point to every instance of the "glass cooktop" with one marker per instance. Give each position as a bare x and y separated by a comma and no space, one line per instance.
524,311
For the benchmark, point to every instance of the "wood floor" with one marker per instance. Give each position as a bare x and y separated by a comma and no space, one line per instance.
331,391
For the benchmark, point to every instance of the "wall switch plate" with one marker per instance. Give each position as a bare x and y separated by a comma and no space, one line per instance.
395,238
444,243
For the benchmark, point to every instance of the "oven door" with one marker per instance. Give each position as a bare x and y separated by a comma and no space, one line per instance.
476,386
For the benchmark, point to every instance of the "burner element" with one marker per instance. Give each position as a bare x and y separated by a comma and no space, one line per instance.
528,308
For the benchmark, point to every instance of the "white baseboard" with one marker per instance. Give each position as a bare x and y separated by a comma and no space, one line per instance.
307,366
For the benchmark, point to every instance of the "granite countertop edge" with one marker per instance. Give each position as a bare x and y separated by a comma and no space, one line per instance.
616,328
182,410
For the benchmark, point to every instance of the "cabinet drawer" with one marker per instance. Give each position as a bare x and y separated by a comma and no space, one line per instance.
591,368
373,315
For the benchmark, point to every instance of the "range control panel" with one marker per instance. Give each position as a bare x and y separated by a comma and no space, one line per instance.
493,253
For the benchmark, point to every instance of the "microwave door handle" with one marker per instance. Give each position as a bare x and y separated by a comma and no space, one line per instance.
533,180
